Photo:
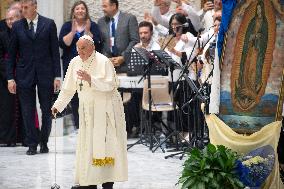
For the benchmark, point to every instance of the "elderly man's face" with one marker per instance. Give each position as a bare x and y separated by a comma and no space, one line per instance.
11,17
164,8
29,10
85,49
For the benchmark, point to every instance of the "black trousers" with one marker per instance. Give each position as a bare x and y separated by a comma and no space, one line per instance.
27,98
182,95
107,185
132,111
7,113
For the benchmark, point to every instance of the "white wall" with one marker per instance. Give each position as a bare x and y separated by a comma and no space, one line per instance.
52,9
136,7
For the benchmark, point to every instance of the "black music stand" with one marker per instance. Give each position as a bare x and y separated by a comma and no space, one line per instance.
136,64
199,96
170,63
148,135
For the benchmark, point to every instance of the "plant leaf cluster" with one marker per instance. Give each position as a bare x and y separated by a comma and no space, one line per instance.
211,168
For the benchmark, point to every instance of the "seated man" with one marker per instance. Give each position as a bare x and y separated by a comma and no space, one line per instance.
146,42
146,37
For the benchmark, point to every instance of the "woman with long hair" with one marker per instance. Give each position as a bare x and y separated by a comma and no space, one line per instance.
180,25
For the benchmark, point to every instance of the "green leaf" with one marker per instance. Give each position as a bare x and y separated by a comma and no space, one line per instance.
201,185
211,148
188,183
182,179
221,162
205,179
212,168
214,184
202,164
210,174
238,183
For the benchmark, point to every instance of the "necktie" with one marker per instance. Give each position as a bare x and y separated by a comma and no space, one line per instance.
32,29
113,48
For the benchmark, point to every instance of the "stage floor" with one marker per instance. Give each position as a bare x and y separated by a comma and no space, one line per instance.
147,170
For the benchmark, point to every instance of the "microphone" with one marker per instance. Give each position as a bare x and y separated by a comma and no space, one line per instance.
201,30
185,25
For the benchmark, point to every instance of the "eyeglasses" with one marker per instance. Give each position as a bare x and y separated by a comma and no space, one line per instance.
175,25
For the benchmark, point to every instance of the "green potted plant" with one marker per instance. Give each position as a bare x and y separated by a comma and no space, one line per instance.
211,168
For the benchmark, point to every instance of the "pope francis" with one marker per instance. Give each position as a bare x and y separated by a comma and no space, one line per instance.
101,155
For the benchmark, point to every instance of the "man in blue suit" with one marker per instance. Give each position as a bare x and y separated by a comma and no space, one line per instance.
34,57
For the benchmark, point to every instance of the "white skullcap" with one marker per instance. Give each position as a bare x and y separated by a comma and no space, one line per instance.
87,37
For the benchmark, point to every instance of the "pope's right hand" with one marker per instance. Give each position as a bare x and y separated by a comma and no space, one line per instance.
54,111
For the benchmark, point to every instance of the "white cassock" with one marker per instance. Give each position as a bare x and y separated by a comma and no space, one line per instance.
101,154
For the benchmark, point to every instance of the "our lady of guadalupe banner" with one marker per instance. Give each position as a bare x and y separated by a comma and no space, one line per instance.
252,85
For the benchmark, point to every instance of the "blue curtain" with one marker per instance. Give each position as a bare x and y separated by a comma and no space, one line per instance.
227,11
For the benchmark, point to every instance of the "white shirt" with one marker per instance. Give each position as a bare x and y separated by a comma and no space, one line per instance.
179,47
192,15
159,31
207,66
151,46
205,40
35,21
161,19
206,19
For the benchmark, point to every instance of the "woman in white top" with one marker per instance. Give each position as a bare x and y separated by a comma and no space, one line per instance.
179,25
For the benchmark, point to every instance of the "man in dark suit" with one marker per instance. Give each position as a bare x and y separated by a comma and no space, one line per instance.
11,128
34,43
119,34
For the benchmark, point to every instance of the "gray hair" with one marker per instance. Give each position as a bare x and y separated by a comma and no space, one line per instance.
34,2
12,5
17,12
168,2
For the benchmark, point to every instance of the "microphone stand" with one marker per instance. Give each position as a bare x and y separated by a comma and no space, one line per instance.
148,129
183,74
175,132
204,99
